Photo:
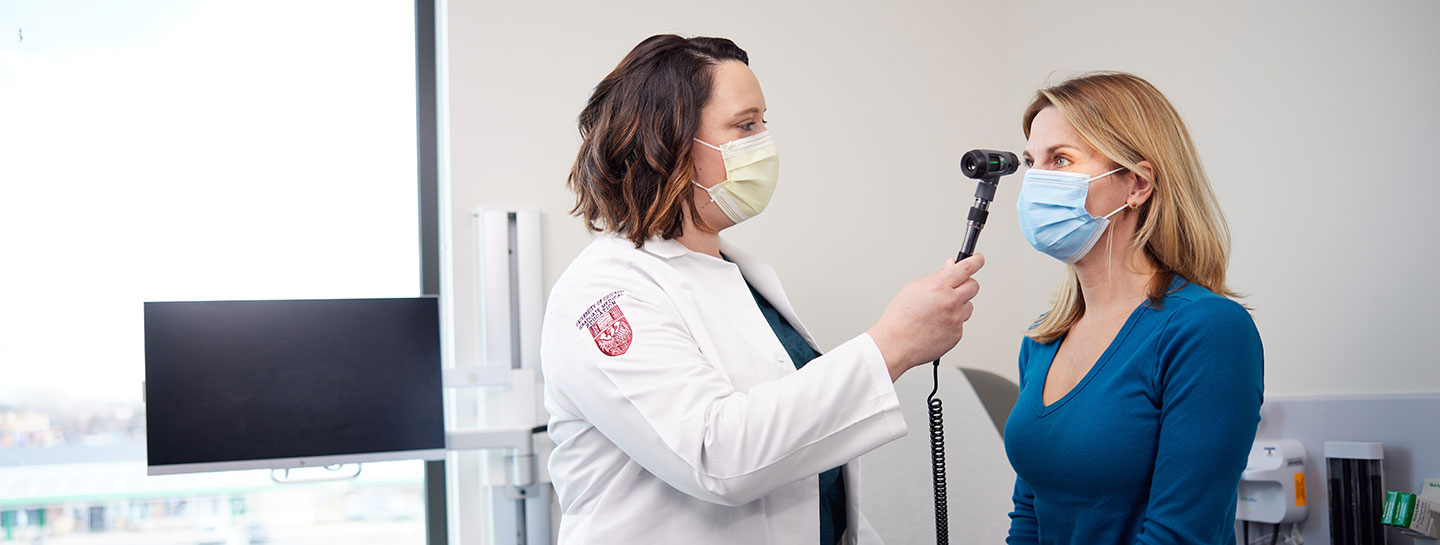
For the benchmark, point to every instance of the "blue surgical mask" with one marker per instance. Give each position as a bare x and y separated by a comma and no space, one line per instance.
1052,213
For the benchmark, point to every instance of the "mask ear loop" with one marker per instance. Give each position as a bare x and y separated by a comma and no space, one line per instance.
1110,260
1092,180
705,189
1110,236
708,145
1110,244
722,156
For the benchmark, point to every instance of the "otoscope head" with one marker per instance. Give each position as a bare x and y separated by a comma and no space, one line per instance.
984,164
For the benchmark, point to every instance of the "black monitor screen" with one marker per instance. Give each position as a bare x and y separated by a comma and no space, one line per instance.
255,384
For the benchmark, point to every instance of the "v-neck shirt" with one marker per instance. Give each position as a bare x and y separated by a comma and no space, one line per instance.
1148,446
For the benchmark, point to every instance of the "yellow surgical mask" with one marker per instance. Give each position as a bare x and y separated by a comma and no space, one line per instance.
752,168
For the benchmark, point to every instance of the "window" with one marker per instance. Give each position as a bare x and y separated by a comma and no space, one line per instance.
189,150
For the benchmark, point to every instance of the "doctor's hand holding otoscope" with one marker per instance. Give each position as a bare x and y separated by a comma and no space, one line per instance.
908,336
926,319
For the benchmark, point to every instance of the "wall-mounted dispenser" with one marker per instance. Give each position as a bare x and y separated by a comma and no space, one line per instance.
1272,488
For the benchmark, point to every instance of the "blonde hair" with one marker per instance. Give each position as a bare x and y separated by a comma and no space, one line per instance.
1181,227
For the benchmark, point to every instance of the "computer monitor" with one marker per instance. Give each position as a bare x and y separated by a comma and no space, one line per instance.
287,384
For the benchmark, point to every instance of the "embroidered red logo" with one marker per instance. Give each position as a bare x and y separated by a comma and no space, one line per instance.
612,332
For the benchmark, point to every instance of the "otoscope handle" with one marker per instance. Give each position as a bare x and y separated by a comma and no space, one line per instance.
972,235
979,212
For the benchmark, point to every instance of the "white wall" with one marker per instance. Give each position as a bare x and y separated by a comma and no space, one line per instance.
871,113
869,106
1315,121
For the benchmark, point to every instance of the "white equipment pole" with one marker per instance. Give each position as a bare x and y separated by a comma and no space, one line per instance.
500,497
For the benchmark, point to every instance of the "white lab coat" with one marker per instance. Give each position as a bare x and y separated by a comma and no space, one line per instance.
702,431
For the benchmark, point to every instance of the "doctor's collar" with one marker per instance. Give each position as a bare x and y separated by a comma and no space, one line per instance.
671,249
666,248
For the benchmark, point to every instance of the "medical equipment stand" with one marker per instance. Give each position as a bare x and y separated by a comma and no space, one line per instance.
497,489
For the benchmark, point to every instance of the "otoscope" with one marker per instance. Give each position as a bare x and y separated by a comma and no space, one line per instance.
987,166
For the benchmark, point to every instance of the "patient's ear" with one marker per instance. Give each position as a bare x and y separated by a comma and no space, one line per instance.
1144,174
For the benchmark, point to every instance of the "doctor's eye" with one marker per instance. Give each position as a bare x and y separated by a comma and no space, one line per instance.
1062,161
748,126
1029,162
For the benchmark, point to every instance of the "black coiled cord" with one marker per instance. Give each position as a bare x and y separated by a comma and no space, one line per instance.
937,461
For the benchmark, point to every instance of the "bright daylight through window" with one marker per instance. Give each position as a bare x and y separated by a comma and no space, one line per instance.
189,150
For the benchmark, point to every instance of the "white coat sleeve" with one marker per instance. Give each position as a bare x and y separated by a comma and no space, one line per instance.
677,415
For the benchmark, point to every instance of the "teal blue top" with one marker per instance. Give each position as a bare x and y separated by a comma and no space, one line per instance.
832,481
1149,446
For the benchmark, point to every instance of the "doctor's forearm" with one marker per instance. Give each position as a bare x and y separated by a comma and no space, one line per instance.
835,409
842,391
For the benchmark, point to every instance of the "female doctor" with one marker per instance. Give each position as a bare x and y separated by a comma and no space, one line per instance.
688,403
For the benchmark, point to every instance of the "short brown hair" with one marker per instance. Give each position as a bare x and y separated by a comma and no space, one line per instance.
633,171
